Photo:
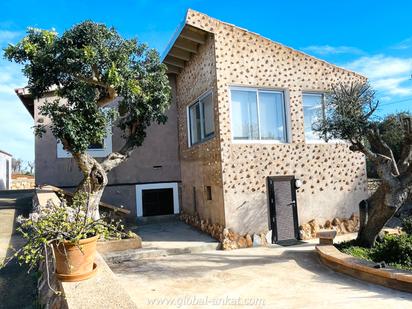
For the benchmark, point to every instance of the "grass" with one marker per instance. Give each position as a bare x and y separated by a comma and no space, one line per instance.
394,250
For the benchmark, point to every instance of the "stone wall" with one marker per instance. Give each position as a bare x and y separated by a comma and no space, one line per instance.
342,226
334,178
201,163
22,182
227,237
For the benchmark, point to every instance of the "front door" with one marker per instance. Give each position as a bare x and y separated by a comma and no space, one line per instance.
283,208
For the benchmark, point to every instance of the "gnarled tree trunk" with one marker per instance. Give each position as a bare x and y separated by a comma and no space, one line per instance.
375,212
95,176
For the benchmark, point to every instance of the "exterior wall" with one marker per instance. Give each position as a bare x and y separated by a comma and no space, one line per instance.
334,178
201,163
5,173
160,148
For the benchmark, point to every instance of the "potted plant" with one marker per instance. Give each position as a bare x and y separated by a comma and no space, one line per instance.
65,231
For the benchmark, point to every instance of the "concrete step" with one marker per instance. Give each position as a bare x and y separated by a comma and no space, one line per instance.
151,252
157,219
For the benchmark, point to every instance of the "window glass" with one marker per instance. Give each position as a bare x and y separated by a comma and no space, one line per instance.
201,119
244,115
258,115
208,122
312,112
195,131
272,116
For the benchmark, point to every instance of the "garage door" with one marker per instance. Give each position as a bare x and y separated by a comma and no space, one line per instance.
157,199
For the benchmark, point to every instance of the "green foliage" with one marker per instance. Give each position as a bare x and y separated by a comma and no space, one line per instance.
90,65
351,248
392,133
62,222
348,112
407,225
395,250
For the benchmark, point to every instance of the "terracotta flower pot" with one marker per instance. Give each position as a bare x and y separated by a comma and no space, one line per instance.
74,263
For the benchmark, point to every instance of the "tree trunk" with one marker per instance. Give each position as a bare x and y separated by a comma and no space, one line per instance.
93,183
375,212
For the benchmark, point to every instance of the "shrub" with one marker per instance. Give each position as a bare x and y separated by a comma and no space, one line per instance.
60,222
407,225
394,250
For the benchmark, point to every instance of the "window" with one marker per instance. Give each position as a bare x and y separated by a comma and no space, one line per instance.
258,115
209,193
201,119
313,111
97,150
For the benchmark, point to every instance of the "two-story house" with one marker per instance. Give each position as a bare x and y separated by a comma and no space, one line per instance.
238,148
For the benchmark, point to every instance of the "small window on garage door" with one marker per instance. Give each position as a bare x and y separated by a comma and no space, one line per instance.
157,199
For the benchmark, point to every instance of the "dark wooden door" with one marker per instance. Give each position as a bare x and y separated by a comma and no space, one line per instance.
157,202
283,208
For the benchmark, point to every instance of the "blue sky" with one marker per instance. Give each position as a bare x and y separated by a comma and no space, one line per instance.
370,37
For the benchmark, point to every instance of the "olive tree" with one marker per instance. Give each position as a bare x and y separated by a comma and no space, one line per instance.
350,116
100,79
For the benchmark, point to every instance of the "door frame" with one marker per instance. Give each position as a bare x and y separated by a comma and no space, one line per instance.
158,185
272,205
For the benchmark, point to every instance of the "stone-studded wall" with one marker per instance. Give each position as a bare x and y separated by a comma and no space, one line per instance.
334,178
201,163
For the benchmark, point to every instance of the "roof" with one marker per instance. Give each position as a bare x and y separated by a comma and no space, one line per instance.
26,99
183,44
187,38
6,153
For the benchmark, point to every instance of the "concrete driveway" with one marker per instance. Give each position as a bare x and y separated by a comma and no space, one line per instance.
276,277
17,288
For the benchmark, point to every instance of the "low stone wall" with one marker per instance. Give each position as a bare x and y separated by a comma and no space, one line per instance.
229,238
22,182
364,270
101,291
340,225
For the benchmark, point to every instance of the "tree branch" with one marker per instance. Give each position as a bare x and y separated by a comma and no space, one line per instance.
116,158
379,146
405,159
383,164
111,92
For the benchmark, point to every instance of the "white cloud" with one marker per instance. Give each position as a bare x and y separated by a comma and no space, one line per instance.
333,50
7,36
388,74
405,44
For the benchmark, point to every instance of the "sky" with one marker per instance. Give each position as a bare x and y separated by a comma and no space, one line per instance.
371,37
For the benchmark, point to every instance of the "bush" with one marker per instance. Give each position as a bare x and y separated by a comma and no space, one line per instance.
394,250
407,225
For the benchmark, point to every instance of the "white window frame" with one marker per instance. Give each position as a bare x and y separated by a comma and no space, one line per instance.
96,153
162,185
202,133
283,92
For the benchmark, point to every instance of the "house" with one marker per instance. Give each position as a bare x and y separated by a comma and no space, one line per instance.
238,148
5,170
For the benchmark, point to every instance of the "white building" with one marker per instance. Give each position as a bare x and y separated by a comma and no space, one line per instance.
5,170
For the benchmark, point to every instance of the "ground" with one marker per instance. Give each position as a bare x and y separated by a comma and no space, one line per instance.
17,288
275,277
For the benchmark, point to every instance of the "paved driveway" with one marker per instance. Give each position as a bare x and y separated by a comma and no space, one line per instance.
17,288
290,277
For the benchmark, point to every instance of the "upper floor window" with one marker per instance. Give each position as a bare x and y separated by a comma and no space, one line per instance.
97,150
313,111
258,114
201,119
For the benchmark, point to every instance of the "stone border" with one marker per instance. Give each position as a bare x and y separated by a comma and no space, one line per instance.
364,270
119,244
